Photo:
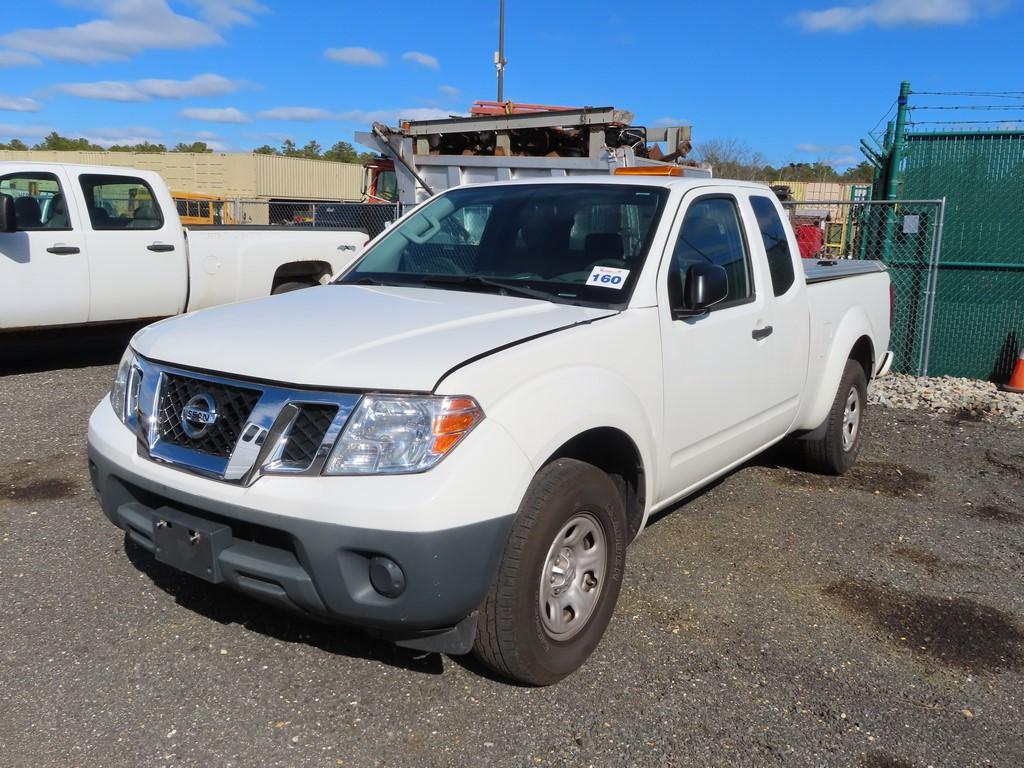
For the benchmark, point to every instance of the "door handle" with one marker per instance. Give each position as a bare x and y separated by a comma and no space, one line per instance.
63,250
761,333
160,247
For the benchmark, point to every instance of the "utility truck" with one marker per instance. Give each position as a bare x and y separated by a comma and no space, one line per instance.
508,141
453,443
82,244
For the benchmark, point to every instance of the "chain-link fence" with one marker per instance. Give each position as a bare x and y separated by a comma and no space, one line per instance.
371,218
906,235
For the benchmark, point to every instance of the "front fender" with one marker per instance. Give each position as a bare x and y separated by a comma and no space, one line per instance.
536,415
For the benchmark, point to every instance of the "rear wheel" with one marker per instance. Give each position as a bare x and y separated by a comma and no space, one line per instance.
559,576
837,449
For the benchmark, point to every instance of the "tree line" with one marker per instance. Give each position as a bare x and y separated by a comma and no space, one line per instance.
341,152
731,159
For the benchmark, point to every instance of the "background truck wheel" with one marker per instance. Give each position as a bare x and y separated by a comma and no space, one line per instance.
292,285
559,576
836,451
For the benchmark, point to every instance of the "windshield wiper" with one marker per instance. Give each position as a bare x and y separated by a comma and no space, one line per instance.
475,281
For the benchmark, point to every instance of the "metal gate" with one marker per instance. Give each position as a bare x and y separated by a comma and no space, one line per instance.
906,235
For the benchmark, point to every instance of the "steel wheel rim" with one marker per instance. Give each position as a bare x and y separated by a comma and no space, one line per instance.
851,419
572,577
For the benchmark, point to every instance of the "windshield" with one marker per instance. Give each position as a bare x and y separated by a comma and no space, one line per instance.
577,243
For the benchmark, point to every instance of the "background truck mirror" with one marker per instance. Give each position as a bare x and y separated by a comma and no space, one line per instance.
8,218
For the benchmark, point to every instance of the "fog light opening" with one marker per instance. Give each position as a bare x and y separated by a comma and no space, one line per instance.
387,576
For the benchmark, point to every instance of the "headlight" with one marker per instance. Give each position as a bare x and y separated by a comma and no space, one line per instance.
390,434
122,386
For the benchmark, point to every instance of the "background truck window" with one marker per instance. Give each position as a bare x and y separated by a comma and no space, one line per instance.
776,245
711,233
38,200
120,202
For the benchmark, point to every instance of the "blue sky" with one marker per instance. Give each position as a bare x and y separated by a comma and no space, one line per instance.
797,80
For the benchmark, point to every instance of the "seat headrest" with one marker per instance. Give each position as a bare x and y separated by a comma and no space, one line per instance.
28,212
603,245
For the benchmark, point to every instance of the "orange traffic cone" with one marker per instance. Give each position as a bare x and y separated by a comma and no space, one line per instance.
1016,382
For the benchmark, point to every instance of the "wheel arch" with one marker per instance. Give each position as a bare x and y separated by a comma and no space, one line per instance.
614,452
310,269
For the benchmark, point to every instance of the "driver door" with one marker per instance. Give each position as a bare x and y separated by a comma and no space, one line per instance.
44,270
715,406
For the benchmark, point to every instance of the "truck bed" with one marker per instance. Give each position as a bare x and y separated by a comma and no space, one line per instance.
820,271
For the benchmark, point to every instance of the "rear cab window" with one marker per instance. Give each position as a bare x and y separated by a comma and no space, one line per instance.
120,202
39,202
776,243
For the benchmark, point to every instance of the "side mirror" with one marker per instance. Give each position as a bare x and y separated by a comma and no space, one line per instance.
706,285
8,217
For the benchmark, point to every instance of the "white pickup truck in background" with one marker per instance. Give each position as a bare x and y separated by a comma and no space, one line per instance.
453,444
82,244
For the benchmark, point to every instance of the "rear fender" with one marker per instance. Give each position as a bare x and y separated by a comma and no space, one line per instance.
854,325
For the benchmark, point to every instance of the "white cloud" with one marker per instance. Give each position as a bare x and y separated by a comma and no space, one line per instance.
892,13
144,90
360,57
299,114
17,59
810,148
450,90
226,13
215,114
662,122
126,28
12,131
18,104
362,116
423,59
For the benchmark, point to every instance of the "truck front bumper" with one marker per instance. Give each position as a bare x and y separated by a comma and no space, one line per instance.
302,543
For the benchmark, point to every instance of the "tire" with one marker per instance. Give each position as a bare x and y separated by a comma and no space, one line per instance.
568,504
292,285
837,450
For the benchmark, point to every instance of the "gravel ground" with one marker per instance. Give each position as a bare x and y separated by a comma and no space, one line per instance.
778,618
966,398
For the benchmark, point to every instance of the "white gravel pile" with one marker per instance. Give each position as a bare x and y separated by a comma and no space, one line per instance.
965,398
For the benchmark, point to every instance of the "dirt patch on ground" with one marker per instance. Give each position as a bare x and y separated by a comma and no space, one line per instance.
959,633
1010,463
883,760
996,513
33,481
927,560
874,477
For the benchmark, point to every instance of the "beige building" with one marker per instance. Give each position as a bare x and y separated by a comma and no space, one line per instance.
238,176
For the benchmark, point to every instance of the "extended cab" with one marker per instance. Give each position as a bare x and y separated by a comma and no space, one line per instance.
453,443
82,244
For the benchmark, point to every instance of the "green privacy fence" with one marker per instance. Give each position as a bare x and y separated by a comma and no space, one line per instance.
978,316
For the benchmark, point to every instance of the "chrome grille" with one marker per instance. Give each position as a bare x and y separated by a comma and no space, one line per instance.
306,434
233,404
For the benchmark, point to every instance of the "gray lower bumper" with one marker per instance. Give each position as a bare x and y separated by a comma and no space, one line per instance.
322,570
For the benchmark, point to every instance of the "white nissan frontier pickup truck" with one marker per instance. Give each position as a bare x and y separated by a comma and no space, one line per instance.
93,244
453,443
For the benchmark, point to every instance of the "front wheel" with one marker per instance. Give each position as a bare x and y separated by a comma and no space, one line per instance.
837,449
559,576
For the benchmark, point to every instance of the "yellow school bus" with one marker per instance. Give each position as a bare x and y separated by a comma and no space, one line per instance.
197,209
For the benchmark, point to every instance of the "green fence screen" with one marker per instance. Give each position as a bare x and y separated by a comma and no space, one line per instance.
978,322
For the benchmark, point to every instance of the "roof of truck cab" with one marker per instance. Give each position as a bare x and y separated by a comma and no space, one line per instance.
39,165
669,182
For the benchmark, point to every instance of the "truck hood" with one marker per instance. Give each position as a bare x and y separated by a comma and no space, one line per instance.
353,336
